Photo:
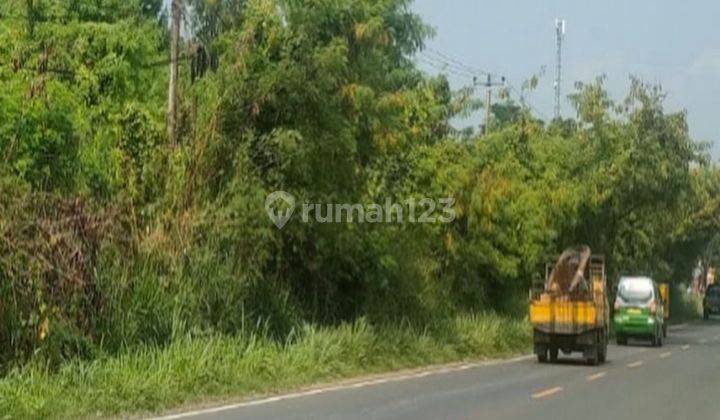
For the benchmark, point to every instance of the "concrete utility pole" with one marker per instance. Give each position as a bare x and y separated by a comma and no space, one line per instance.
489,83
176,11
559,35
488,105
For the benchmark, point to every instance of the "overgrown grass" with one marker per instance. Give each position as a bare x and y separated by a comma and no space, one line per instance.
684,306
212,369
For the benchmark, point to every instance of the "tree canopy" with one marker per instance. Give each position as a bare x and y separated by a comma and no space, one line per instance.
111,237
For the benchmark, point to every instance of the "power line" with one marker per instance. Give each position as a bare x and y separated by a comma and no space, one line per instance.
447,70
451,65
523,102
439,65
457,62
462,70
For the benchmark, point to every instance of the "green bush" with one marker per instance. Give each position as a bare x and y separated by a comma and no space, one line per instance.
684,306
190,371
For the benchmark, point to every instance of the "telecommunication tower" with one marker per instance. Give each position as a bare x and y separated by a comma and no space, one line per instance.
559,35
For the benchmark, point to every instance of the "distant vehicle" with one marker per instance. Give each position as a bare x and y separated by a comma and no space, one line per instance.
665,295
570,311
711,302
639,311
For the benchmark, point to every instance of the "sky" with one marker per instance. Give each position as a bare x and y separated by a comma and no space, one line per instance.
672,43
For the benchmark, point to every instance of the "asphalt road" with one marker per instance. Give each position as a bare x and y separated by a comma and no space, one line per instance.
677,381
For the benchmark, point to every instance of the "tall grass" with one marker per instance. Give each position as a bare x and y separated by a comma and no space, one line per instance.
684,306
193,370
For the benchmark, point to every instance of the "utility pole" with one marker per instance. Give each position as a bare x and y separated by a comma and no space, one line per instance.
176,11
489,83
559,35
488,105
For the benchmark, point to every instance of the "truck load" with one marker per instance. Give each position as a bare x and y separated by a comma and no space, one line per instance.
569,312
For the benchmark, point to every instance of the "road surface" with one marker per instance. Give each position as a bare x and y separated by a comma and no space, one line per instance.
679,380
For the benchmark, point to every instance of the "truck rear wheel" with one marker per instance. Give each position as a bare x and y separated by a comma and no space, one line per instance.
595,353
542,354
602,349
594,358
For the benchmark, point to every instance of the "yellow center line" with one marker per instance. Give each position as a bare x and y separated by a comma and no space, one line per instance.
546,393
635,364
596,376
666,355
685,347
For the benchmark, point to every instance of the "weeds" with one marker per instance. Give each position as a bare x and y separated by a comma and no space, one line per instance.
190,371
684,305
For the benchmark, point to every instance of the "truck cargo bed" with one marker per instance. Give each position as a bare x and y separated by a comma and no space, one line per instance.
568,317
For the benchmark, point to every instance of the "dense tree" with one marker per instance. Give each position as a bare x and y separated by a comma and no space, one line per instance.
111,237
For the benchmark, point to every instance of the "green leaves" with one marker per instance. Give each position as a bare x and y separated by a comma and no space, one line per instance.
71,78
319,98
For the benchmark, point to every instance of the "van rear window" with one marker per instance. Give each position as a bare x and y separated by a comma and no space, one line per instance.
635,290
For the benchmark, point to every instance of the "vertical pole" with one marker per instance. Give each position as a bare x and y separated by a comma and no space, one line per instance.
488,104
172,90
559,33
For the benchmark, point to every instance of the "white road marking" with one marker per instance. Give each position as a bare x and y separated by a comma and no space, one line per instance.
383,380
685,347
635,364
546,393
666,355
702,341
596,376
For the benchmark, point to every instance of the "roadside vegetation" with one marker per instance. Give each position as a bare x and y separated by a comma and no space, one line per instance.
136,274
197,371
685,305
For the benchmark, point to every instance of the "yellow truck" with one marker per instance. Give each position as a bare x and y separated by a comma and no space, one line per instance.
570,311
